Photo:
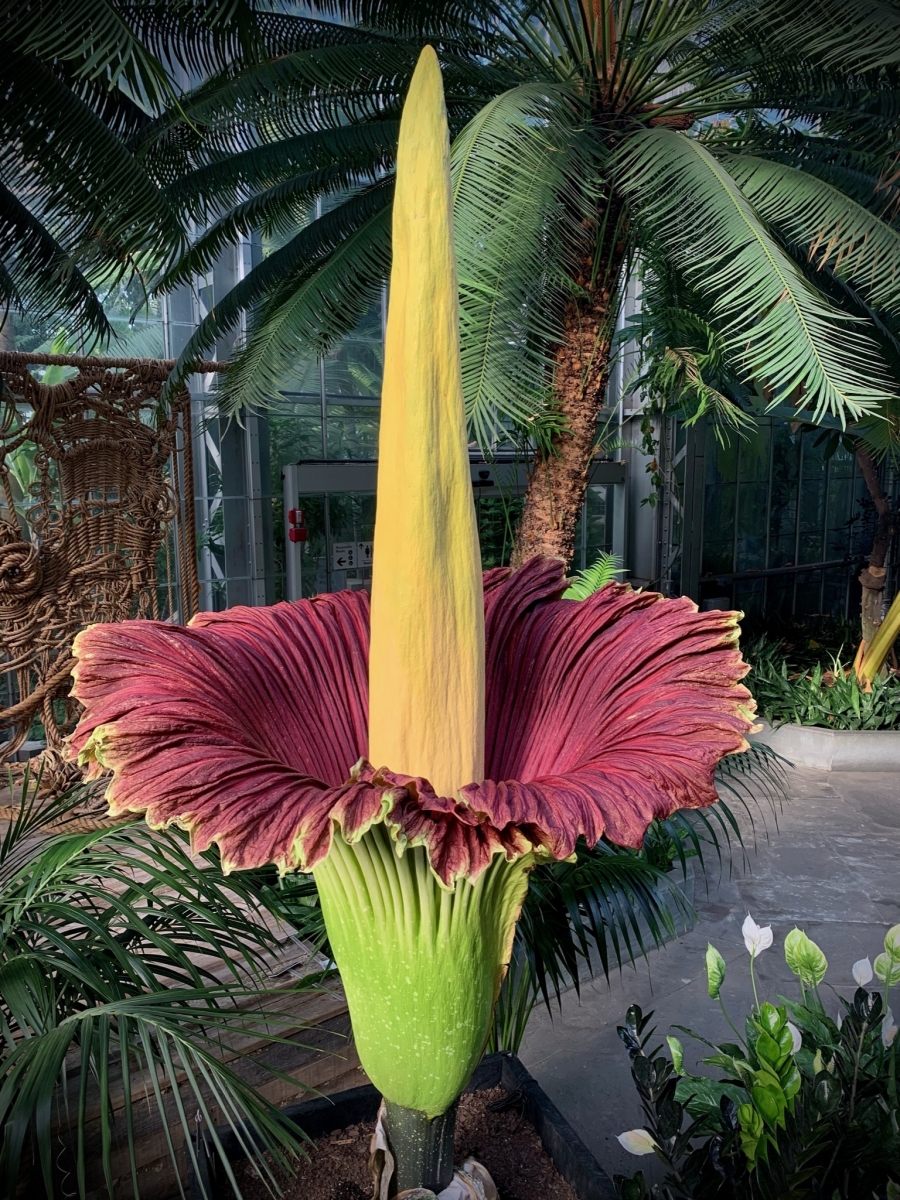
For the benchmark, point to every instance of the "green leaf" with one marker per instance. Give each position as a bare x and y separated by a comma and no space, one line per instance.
780,331
768,1050
524,172
771,1019
892,943
827,1093
677,1051
769,1103
601,572
702,1097
715,971
805,958
887,968
832,229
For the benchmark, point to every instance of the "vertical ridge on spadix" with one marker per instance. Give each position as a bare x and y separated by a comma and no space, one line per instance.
426,667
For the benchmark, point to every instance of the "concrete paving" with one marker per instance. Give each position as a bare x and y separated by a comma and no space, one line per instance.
831,867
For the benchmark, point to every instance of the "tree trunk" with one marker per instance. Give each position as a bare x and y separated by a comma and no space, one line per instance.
872,577
7,330
558,478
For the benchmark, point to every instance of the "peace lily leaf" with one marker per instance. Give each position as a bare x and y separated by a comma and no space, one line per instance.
490,723
715,971
677,1051
887,969
805,958
702,1097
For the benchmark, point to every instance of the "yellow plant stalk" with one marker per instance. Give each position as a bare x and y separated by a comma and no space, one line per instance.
426,665
887,633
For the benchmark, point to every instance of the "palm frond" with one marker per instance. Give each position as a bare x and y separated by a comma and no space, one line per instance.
339,278
856,37
105,944
40,275
367,146
602,571
523,173
837,232
777,328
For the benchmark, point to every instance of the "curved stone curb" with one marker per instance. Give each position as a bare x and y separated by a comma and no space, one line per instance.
834,749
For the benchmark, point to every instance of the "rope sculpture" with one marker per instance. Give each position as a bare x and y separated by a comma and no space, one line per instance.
97,478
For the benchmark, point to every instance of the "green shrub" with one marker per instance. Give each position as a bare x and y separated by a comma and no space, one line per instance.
806,1106
831,697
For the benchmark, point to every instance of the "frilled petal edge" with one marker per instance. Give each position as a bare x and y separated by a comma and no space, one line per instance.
606,713
241,728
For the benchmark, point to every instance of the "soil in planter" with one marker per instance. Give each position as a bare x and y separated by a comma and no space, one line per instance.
505,1142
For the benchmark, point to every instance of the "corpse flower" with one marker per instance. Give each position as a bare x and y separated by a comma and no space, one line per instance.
418,759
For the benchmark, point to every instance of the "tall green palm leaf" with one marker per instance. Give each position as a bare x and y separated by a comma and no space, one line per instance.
106,941
585,135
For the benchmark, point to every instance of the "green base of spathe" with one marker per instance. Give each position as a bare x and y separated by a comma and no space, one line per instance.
421,966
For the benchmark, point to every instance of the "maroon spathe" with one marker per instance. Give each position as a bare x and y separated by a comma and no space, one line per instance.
602,715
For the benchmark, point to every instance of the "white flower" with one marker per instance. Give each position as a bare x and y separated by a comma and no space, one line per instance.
637,1141
796,1037
888,1029
756,938
862,972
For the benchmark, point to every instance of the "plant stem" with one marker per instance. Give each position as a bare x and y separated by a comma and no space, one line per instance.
730,1022
859,1049
422,1148
753,981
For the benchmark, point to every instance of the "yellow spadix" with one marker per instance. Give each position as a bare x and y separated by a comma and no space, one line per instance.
426,667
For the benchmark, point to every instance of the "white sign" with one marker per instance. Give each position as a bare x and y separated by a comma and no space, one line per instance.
350,556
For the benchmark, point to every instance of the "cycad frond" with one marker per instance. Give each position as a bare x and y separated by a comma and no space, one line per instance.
820,31
601,572
837,233
369,145
327,245
777,328
40,275
310,312
524,174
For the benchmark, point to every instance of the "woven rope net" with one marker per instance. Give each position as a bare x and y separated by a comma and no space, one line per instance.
96,476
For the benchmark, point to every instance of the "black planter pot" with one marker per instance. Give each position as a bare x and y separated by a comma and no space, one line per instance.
316,1118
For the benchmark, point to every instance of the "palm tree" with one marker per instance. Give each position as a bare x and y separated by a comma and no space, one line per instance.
81,84
721,137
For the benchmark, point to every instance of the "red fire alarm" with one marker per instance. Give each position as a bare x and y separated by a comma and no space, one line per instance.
297,531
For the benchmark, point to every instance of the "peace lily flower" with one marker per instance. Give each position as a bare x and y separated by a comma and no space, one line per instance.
418,758
796,1037
862,972
888,1028
637,1141
756,938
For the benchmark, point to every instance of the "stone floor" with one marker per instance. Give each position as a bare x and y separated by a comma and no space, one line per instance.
831,867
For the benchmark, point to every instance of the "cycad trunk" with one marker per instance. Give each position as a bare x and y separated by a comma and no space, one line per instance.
558,479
